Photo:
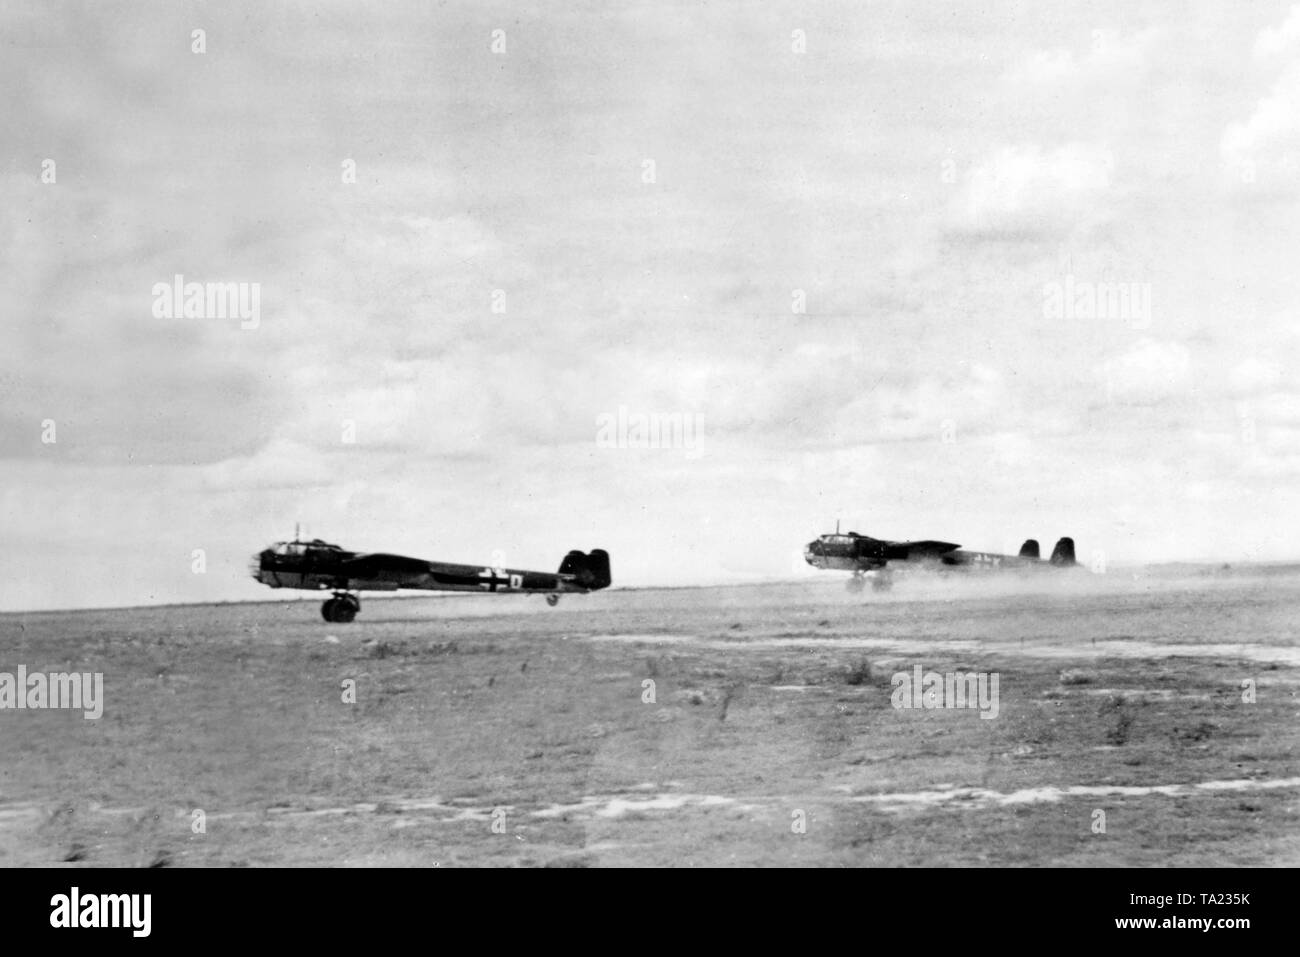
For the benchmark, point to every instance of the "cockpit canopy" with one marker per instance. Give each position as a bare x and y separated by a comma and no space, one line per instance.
837,539
302,548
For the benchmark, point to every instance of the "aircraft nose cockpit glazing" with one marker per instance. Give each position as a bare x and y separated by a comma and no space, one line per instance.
830,551
262,566
261,563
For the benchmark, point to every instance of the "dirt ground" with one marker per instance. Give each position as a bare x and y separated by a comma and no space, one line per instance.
743,725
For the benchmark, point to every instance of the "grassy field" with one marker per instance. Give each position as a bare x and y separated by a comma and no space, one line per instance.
500,732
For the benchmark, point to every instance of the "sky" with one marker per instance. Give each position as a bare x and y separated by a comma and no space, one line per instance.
976,272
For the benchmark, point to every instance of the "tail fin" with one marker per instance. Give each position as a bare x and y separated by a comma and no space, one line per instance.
589,571
1063,553
1029,549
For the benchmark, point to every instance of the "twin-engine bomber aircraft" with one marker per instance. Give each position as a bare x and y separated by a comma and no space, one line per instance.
317,565
861,554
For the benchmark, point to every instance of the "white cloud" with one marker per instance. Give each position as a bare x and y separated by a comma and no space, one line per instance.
1279,408
1110,56
279,464
1264,148
1036,190
1149,371
1254,375
1279,40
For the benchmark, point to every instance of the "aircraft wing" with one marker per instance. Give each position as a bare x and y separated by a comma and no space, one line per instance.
378,566
911,551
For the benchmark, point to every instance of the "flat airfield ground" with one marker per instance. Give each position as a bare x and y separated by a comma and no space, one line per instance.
500,732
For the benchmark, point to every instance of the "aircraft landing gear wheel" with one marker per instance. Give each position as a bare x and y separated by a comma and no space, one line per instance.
856,583
881,583
552,600
341,609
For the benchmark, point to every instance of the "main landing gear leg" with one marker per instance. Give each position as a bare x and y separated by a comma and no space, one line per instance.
856,583
342,608
883,581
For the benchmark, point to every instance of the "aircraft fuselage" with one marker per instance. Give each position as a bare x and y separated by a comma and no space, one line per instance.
317,566
861,554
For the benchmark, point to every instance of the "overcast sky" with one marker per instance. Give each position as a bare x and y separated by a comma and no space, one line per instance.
627,206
